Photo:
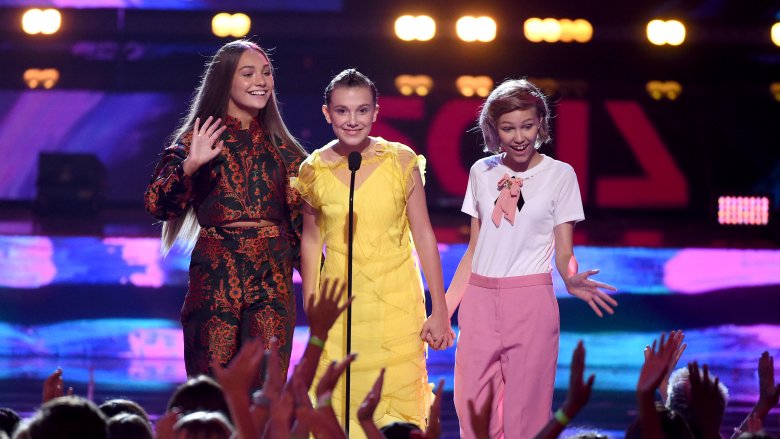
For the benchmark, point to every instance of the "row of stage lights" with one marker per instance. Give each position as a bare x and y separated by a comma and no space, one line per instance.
423,28
421,85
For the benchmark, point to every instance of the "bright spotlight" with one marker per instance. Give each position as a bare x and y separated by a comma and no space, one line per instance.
774,89
472,29
408,85
664,89
670,32
776,33
46,78
410,28
469,86
37,21
226,25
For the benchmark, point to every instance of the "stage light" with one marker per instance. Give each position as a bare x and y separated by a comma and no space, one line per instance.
737,210
410,28
474,85
670,32
37,21
551,30
46,78
663,89
226,25
408,85
472,29
774,88
776,33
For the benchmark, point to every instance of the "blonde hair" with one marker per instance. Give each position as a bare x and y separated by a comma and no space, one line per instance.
511,95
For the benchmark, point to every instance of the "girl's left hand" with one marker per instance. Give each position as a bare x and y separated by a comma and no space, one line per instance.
579,285
437,332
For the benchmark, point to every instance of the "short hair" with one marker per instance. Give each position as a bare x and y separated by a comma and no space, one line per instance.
512,95
204,424
68,417
672,424
350,78
201,393
399,430
128,426
117,406
9,420
679,394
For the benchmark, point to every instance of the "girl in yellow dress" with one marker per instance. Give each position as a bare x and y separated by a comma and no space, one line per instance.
389,326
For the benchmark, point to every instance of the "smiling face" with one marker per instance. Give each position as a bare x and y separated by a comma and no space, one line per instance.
518,133
252,86
351,111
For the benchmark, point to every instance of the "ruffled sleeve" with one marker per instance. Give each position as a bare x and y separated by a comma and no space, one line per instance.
305,181
170,192
409,161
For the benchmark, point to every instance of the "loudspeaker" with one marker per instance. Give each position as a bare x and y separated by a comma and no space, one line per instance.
69,184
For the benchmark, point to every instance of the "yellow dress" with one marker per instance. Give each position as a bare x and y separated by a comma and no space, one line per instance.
389,309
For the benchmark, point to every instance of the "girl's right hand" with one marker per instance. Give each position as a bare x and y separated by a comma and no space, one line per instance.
204,146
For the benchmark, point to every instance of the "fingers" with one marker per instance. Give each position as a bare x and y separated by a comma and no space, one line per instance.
595,308
600,301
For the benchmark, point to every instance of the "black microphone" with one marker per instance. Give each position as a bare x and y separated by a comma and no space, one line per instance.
353,160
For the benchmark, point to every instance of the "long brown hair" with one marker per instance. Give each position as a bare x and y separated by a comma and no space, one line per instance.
211,99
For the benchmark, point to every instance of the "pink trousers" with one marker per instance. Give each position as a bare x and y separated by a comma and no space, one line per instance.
508,342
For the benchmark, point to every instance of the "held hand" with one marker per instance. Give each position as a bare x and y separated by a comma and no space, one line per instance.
581,286
204,146
437,332
323,313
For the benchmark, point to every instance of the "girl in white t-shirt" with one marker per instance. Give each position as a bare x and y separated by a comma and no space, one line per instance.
523,207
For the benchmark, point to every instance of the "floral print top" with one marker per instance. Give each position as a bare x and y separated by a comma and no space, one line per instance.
248,181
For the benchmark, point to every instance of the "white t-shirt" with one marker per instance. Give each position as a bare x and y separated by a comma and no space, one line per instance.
551,195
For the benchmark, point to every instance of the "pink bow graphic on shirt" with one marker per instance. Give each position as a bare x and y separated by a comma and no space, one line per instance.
506,204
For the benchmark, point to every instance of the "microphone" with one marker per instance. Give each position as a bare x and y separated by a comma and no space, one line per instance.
353,160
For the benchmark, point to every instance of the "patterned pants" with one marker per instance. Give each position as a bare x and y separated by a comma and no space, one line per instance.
240,287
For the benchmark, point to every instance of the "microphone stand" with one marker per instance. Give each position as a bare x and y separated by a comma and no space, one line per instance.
353,160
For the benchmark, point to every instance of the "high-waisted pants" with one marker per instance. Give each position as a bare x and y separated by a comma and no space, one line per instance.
508,342
240,287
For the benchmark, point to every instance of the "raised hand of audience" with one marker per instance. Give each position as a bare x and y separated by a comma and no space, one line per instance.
236,381
706,403
324,392
434,417
577,396
365,413
480,419
163,429
653,371
264,399
676,339
768,393
54,387
323,310
322,313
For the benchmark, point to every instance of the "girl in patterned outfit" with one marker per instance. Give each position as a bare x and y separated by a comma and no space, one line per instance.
523,205
389,326
222,187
